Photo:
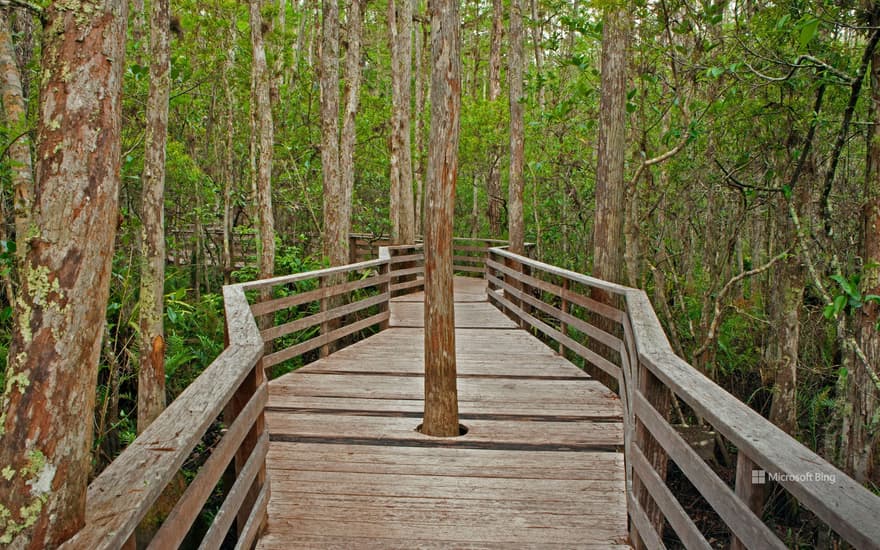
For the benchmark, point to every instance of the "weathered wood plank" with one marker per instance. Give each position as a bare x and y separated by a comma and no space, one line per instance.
255,522
467,315
575,298
575,434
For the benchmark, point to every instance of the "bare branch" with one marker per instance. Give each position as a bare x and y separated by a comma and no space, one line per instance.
38,10
716,315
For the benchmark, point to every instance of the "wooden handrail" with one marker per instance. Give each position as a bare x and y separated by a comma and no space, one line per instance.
120,498
233,385
647,370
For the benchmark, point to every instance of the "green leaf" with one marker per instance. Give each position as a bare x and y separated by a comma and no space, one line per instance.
808,30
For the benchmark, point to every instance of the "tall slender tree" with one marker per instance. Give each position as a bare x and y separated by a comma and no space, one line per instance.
493,183
515,220
441,394
402,206
45,411
262,137
337,151
151,375
862,440
610,186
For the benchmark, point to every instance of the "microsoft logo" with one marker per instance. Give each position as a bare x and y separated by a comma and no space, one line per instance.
760,477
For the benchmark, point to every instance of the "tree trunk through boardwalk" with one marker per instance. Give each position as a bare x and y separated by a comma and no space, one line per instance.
441,395
46,422
151,375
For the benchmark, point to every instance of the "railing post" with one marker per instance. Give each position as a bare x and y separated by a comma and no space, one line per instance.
563,326
516,284
385,270
749,490
658,396
326,327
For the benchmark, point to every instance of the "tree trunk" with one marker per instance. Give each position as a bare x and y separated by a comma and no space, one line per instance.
262,131
493,183
515,221
441,395
862,438
786,299
47,423
349,136
403,213
537,39
228,158
22,174
420,156
151,376
335,233
610,187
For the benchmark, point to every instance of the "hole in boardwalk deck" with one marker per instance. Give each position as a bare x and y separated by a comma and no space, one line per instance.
462,430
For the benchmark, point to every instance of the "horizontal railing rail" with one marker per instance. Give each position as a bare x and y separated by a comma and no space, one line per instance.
614,329
318,309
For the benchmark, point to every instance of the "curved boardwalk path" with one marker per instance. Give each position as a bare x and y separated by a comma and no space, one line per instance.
541,466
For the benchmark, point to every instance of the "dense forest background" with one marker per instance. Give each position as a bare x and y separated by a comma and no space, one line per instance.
750,192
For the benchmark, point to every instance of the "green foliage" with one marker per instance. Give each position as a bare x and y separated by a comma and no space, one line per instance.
849,298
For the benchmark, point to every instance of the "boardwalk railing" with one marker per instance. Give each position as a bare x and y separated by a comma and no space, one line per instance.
610,327
468,253
308,315
614,329
233,387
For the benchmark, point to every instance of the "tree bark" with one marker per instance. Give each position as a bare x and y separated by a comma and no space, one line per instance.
786,299
151,375
515,221
418,146
402,210
15,109
441,395
228,158
262,137
493,182
46,427
610,186
862,439
348,138
335,235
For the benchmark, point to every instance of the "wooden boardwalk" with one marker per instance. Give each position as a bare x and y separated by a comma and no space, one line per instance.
541,465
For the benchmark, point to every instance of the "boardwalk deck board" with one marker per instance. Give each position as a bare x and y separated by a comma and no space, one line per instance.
541,465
